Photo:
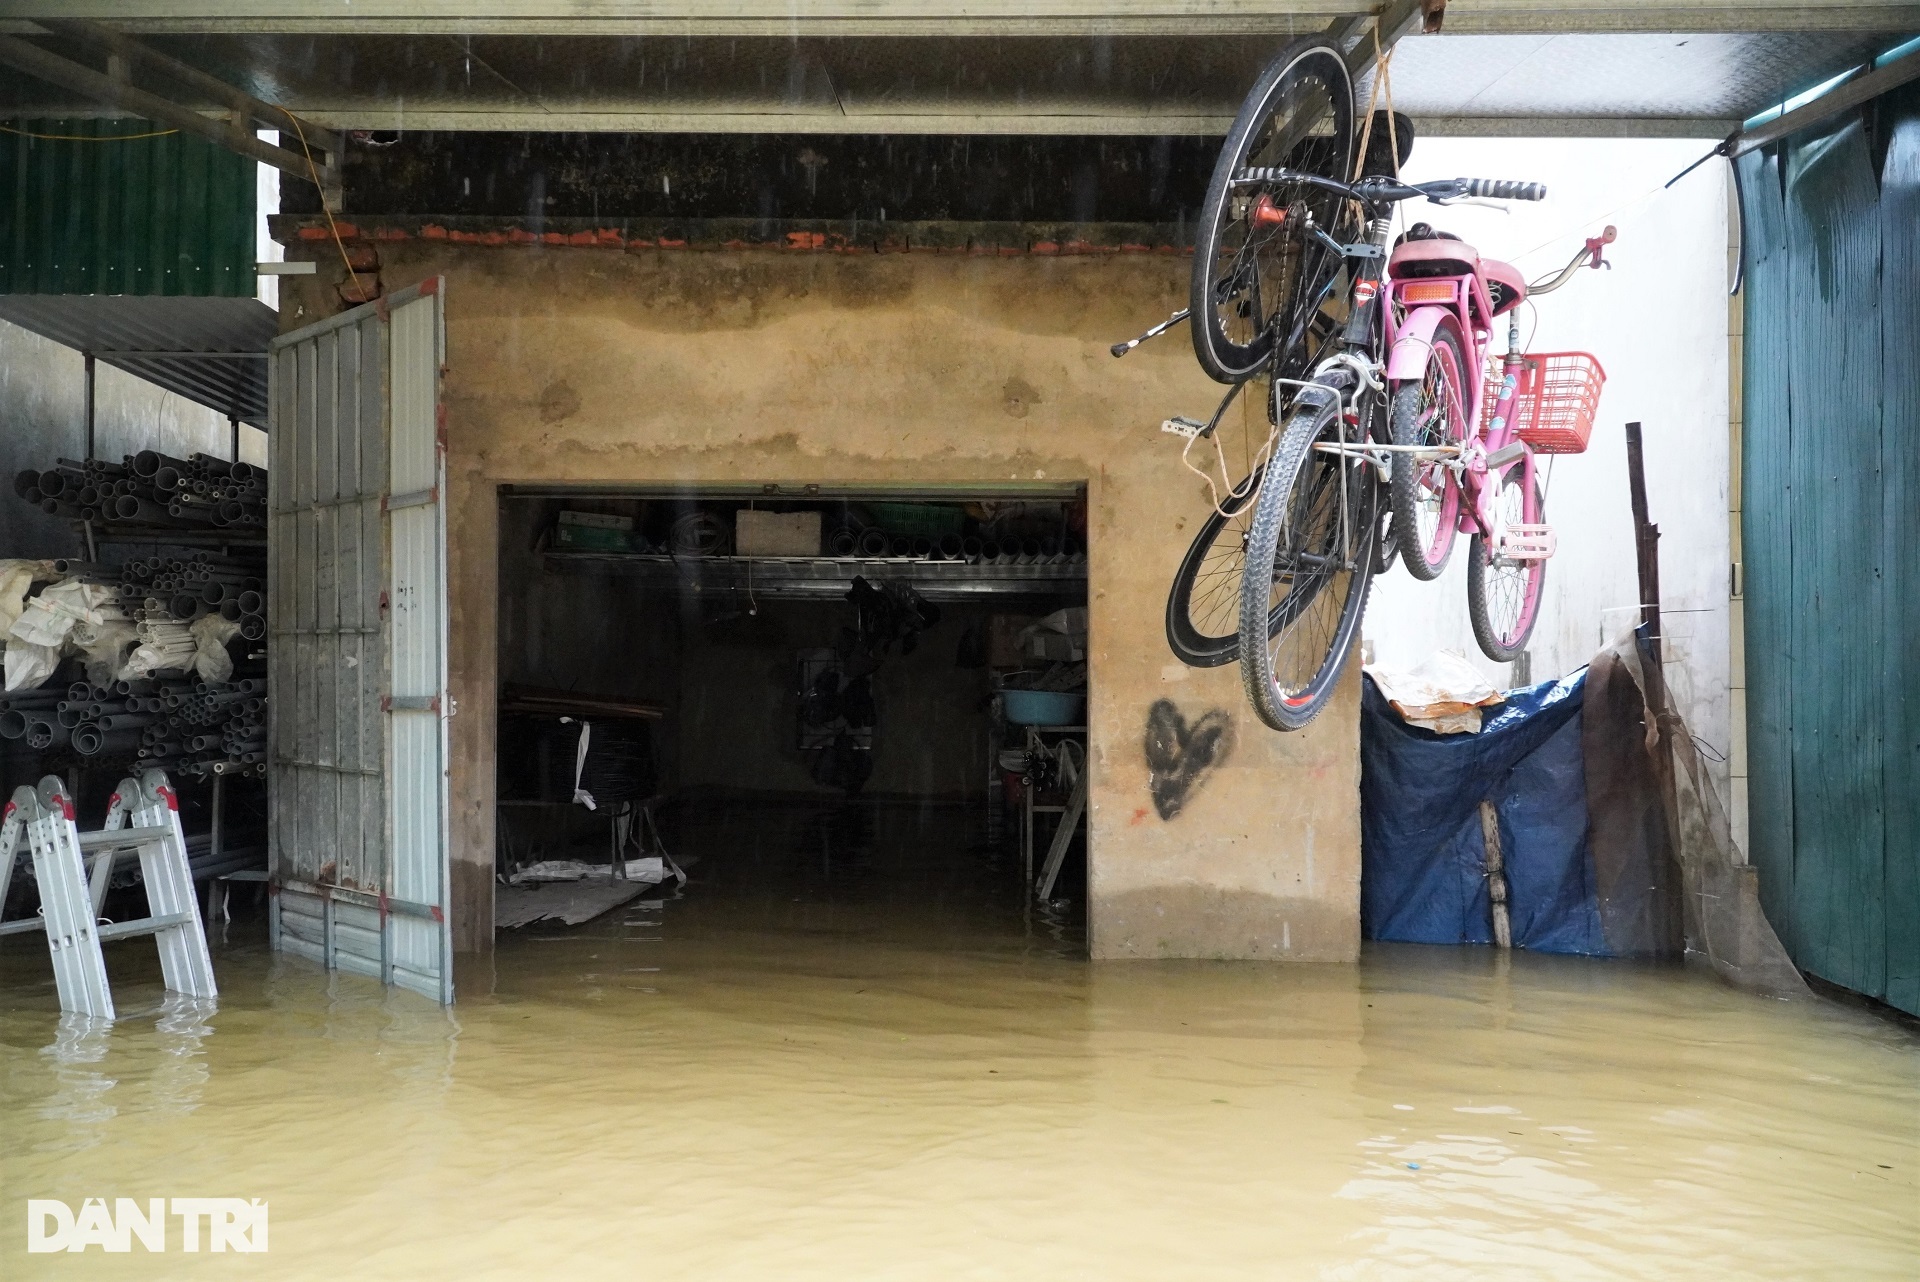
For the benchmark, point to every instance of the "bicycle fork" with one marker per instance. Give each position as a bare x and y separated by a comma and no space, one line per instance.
1521,540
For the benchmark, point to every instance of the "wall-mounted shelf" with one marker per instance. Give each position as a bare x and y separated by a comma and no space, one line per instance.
827,578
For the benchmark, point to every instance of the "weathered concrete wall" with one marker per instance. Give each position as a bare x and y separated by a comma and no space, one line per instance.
589,365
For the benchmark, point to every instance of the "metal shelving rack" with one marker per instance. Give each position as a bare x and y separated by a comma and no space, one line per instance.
824,578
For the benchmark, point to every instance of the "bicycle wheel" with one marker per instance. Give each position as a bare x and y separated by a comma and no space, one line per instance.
1259,274
1203,607
1425,496
1309,563
1503,596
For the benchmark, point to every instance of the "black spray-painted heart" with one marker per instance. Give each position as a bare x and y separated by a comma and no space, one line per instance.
1179,755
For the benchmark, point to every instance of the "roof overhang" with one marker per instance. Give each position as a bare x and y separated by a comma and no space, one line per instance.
922,18
1086,67
210,350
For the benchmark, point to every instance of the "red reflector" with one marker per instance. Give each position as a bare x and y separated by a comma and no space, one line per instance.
1265,213
1427,291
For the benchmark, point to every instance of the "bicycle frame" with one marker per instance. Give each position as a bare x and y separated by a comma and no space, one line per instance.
1486,453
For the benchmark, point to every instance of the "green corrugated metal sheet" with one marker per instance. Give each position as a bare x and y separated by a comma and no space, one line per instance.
1831,530
166,215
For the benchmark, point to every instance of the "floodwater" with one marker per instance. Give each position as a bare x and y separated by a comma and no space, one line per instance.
842,1053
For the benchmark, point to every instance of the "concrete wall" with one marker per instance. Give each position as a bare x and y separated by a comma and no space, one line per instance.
1658,323
663,366
43,418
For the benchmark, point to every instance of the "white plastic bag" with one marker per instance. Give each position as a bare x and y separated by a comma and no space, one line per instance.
211,633
29,665
16,581
1444,693
51,616
104,648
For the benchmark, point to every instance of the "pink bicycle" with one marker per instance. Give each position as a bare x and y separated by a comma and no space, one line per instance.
1384,438
1464,442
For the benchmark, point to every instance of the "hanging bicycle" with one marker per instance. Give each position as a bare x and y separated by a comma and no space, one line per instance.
1386,436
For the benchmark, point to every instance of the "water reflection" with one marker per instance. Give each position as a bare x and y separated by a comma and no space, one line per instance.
180,1031
77,1101
844,1049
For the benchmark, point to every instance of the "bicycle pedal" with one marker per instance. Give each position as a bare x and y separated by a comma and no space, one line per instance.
1181,425
1526,543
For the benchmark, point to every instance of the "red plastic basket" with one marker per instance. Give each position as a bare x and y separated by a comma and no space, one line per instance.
1554,405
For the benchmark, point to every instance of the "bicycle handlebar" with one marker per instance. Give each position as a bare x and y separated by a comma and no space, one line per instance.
1501,189
1382,190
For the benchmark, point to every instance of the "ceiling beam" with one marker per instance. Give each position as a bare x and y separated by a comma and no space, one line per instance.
244,105
1842,97
114,90
1091,122
693,18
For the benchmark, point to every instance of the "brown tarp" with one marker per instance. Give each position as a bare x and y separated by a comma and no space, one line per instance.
1668,876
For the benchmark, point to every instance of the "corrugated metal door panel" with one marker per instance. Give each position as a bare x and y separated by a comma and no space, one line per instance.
95,212
318,845
422,947
1900,469
358,602
1835,510
1832,520
1766,538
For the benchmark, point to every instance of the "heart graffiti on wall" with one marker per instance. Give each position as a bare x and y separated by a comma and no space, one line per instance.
1181,754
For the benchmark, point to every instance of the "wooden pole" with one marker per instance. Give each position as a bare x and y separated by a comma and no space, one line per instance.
1646,542
1496,876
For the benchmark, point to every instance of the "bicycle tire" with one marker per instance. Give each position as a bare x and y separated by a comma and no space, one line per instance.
1426,554
1503,644
1309,77
1306,498
1209,636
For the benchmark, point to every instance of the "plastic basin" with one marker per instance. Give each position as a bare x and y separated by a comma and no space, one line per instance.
1043,707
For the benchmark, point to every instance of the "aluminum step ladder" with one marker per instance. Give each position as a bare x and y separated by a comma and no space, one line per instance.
143,817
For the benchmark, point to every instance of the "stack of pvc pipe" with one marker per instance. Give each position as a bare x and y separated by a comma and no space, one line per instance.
186,587
873,543
179,724
152,489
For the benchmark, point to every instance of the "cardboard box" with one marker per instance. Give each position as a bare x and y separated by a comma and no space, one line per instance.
1053,647
776,533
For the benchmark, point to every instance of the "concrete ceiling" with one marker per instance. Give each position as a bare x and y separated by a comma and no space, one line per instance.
971,66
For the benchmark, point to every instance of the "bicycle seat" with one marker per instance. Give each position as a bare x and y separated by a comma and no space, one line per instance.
1438,256
1505,285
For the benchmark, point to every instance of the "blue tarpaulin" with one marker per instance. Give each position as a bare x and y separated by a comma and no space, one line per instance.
1423,853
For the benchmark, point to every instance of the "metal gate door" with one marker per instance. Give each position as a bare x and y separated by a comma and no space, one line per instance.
357,618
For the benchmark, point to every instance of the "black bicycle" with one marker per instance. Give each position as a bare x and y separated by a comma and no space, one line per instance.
1287,272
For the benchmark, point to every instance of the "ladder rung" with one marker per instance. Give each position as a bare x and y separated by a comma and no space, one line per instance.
142,926
121,837
22,926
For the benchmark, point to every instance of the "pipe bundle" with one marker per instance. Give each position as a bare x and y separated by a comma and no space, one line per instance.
152,489
874,543
185,588
181,724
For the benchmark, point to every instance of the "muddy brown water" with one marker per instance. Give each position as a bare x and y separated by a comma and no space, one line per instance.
844,1052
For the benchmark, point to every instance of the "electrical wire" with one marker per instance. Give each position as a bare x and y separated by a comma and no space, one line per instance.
24,133
314,172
